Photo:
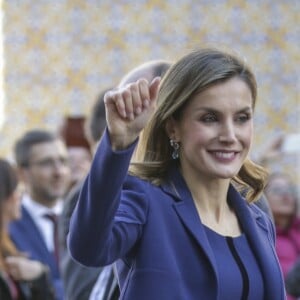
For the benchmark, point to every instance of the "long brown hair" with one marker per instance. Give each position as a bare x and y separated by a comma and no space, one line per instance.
191,75
8,184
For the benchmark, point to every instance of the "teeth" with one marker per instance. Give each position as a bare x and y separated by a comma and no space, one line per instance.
224,154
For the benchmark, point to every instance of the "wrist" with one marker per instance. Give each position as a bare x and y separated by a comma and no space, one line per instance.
122,143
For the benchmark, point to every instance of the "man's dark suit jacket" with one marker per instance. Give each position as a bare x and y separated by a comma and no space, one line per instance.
78,280
27,238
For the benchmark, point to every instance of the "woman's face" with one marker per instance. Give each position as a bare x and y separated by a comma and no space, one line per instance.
281,196
215,130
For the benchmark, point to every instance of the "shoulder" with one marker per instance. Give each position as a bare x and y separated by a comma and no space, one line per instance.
259,213
136,183
25,218
292,280
71,200
263,219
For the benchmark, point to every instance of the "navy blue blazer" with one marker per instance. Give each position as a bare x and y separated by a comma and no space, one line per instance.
156,236
27,238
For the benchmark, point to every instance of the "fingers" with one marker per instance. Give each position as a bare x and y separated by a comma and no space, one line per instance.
132,100
12,264
154,87
144,92
21,268
113,101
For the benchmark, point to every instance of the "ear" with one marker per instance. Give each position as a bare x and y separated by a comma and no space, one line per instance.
22,174
171,129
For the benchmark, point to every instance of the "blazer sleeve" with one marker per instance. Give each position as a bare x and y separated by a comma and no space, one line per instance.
111,209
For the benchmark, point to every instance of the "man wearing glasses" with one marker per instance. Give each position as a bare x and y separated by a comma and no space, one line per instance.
42,161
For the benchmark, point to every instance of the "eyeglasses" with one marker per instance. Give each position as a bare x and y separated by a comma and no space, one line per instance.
49,163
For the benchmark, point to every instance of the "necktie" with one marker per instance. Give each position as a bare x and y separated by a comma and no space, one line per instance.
53,218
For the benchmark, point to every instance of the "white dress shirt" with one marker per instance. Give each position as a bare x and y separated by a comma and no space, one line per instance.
38,211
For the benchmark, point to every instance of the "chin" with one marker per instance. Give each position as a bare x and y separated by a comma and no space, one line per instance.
225,171
227,174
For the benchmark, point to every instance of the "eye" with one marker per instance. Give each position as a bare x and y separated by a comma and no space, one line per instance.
242,118
209,118
64,161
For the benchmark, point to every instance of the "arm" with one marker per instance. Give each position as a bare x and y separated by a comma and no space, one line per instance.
92,230
98,234
292,280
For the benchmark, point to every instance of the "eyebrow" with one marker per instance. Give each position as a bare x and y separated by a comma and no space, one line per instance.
49,157
246,109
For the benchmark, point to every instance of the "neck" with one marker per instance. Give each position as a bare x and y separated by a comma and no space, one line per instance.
47,202
210,197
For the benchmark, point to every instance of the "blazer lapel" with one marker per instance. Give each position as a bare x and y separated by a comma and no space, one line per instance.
24,232
187,212
252,224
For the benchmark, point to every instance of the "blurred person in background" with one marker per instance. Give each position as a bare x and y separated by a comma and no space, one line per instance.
79,151
20,277
42,161
283,144
282,196
280,151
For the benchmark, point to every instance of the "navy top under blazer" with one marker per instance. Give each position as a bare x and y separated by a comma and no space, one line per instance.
155,233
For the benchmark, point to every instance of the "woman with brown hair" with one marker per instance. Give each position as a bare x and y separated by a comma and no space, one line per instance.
20,277
162,196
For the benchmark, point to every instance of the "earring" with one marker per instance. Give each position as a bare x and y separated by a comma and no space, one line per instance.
175,146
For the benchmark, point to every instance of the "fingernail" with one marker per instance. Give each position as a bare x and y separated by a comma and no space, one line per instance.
131,116
156,79
146,103
138,111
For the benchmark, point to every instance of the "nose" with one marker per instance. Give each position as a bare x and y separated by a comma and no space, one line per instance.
227,132
60,166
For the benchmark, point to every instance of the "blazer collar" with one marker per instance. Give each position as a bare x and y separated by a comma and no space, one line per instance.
254,224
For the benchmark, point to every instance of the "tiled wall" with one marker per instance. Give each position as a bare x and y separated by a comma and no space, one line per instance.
60,54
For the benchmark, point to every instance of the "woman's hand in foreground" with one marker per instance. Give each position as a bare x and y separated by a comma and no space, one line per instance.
128,110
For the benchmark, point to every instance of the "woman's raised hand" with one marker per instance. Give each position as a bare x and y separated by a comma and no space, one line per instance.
128,110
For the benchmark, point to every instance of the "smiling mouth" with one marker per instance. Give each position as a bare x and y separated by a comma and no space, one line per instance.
224,155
